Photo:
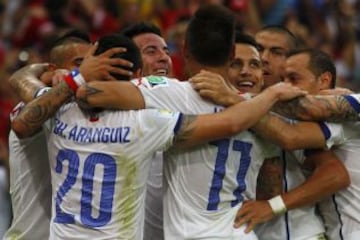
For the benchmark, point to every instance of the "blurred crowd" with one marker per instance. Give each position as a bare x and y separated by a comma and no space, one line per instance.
29,26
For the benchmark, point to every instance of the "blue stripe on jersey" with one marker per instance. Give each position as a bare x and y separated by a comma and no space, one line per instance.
339,217
286,215
325,129
353,102
178,123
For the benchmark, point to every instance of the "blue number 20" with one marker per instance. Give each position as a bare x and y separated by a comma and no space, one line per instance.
220,170
107,193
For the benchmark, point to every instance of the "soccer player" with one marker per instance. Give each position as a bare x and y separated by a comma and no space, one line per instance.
273,178
167,93
156,61
124,141
275,42
153,48
311,70
30,184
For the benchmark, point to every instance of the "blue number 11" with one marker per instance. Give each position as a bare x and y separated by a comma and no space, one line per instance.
220,170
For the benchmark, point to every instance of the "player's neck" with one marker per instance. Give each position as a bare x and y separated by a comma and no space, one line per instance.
221,70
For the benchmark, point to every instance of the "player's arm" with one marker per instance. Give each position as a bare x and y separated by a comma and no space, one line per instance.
241,116
36,112
111,94
26,81
329,176
269,182
320,108
289,136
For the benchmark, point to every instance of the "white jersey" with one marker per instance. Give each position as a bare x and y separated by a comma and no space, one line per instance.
297,224
99,166
204,186
341,212
30,186
153,228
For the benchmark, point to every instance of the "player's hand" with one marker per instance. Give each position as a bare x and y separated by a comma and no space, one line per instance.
285,91
336,91
253,213
213,87
100,67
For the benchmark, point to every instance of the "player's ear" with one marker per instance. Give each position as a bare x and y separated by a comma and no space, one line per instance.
325,80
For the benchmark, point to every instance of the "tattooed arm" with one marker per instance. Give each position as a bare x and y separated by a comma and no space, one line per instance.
329,176
299,135
36,112
269,181
239,117
318,108
112,94
26,81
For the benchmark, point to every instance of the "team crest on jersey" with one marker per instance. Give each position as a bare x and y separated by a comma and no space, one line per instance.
155,81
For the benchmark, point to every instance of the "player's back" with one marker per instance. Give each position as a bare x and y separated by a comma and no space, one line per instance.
204,185
99,168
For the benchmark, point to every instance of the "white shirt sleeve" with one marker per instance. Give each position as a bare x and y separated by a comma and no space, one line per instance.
162,124
354,100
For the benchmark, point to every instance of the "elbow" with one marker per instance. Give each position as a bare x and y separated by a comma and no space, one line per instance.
20,129
341,179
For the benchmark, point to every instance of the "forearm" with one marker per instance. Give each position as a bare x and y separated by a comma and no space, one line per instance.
325,181
36,112
289,136
208,127
26,82
112,94
318,108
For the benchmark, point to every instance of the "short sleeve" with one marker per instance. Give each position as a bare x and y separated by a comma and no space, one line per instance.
161,126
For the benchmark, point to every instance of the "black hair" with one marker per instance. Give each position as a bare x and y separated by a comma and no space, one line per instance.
319,62
140,28
71,36
291,38
241,37
210,35
132,53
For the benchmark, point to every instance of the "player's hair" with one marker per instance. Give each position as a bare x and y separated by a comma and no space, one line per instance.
210,35
132,53
244,38
319,62
140,28
291,38
71,36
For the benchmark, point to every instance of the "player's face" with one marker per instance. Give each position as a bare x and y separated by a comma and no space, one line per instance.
155,54
298,74
73,55
245,71
273,50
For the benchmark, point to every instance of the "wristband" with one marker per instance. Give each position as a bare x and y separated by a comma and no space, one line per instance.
71,83
277,205
41,91
74,80
78,78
